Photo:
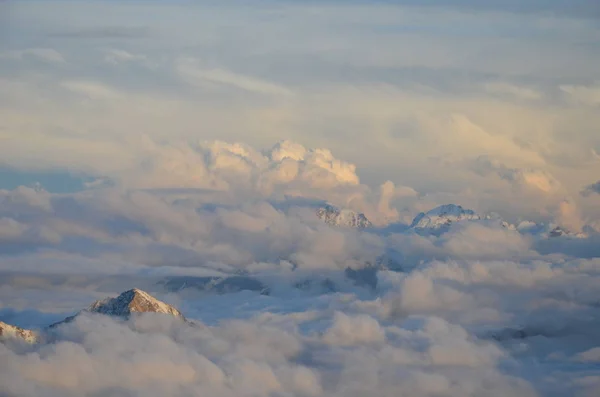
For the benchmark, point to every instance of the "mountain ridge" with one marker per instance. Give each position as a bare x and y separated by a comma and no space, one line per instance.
337,217
12,332
132,301
443,216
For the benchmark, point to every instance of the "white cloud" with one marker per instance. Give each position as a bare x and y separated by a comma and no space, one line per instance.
116,56
44,54
591,355
569,215
200,77
235,167
585,95
91,89
350,331
500,88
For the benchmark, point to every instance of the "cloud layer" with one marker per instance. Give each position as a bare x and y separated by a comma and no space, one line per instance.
197,141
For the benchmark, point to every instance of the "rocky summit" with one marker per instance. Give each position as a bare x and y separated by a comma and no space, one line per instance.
11,332
443,216
343,217
132,301
127,303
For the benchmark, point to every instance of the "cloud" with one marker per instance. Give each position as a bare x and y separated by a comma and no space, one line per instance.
592,355
386,109
244,358
91,89
105,32
44,54
532,179
316,332
117,56
585,95
577,8
202,78
591,189
524,93
352,331
569,215
234,166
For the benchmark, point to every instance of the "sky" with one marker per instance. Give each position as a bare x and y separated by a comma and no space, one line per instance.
142,141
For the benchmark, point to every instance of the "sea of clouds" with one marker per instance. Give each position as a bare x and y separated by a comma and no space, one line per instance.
284,304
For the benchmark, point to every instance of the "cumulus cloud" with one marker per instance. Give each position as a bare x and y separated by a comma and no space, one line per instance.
254,357
287,167
531,179
569,215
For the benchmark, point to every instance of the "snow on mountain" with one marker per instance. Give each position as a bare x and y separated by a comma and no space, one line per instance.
343,217
440,218
547,230
132,301
129,302
8,331
443,216
562,232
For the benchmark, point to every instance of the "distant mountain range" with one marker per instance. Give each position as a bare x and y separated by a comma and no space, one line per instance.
439,220
436,221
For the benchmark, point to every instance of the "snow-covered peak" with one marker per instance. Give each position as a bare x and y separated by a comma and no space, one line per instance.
562,232
132,301
345,218
443,215
547,230
8,331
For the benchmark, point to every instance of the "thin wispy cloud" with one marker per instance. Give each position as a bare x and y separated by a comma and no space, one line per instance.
43,54
194,75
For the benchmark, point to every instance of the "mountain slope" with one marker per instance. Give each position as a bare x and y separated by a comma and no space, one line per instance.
343,217
8,331
563,232
132,301
443,216
128,303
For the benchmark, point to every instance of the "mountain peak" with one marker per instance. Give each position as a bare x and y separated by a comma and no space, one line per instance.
559,231
128,302
334,216
441,216
132,301
8,331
